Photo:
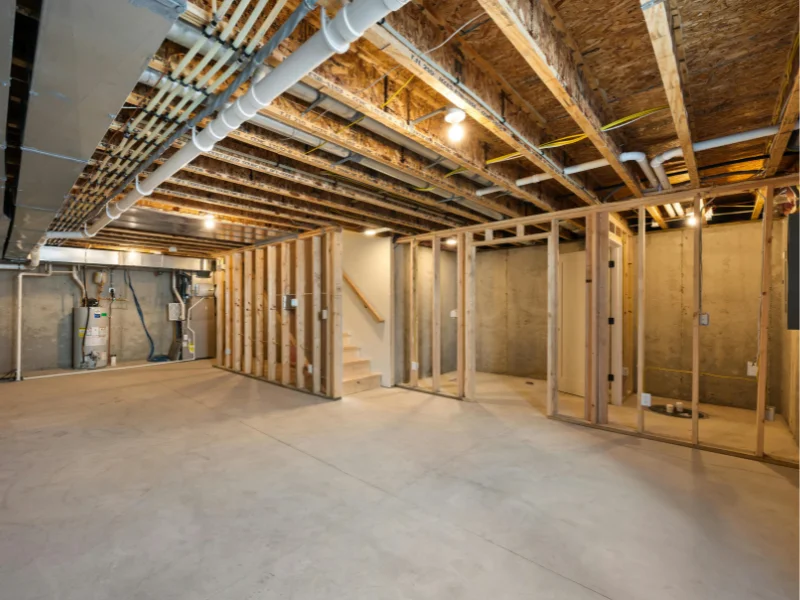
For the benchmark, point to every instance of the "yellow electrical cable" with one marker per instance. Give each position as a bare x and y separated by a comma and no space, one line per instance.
577,137
736,377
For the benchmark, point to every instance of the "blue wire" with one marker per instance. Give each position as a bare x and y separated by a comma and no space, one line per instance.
151,357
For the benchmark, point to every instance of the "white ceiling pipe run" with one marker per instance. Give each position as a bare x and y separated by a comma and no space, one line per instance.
745,136
639,157
334,37
187,35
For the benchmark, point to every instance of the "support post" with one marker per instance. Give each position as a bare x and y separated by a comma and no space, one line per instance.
590,396
247,336
603,329
697,282
272,311
258,298
316,301
460,310
640,318
228,315
413,339
286,331
470,343
335,318
436,318
763,320
552,319
237,312
219,316
300,312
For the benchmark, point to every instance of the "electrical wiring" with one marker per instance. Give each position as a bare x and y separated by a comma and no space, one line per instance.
151,356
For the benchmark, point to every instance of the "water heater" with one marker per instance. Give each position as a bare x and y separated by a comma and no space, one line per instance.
89,337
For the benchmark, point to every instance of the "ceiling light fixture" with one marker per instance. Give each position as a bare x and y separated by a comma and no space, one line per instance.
456,132
209,222
370,232
454,115
691,220
451,241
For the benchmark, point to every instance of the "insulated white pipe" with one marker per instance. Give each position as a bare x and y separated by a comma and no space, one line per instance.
79,283
745,136
587,166
189,326
334,37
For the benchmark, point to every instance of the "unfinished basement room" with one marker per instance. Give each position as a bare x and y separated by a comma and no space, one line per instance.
399,299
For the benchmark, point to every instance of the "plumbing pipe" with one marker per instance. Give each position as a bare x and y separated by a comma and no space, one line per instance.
78,281
745,136
187,35
334,37
189,326
178,296
639,157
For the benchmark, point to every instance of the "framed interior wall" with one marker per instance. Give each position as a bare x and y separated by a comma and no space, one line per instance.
280,316
618,318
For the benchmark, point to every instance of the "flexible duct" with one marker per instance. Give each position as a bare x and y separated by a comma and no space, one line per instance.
334,37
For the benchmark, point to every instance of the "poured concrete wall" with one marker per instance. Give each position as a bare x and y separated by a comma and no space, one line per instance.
47,318
731,291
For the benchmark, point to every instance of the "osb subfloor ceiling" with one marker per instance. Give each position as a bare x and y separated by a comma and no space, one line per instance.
738,69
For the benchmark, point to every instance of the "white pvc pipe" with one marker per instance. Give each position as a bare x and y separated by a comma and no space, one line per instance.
178,296
189,326
745,136
334,37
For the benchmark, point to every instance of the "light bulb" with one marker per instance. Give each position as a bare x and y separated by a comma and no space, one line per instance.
691,220
454,115
456,132
451,241
370,232
209,222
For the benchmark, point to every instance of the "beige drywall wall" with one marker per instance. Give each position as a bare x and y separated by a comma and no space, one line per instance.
368,262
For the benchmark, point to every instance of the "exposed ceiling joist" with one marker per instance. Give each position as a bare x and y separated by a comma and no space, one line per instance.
658,17
788,122
407,35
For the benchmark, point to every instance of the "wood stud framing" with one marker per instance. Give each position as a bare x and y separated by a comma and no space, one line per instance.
597,273
270,338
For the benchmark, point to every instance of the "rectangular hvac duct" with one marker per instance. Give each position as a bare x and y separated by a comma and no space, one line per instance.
116,258
89,56
6,44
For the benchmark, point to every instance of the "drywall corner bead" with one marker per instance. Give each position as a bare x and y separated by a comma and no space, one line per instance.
169,9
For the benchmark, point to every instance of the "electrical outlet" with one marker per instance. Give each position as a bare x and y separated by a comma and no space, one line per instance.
647,399
752,369
625,371
310,369
704,319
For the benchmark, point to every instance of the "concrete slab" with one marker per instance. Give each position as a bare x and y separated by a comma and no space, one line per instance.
189,482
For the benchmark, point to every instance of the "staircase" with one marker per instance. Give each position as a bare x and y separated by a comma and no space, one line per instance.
358,376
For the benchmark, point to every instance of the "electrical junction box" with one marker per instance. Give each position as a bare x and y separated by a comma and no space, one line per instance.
752,369
704,319
453,314
174,311
647,399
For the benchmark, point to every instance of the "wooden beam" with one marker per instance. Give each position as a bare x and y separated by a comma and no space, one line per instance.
403,36
238,329
697,282
316,309
272,310
436,317
376,316
590,381
641,244
518,239
413,318
286,319
247,365
258,299
648,201
628,314
763,321
461,313
300,312
470,341
530,29
219,317
552,320
788,121
336,334
659,19
228,316
600,284
760,194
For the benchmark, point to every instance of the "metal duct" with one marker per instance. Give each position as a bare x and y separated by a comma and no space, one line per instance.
6,44
88,57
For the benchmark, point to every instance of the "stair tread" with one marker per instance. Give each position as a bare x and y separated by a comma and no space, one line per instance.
352,361
362,377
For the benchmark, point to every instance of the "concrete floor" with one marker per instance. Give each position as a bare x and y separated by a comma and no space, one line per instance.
184,481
